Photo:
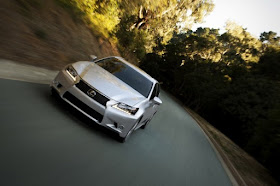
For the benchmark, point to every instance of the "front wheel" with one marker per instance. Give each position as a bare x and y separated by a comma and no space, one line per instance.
124,139
54,93
145,125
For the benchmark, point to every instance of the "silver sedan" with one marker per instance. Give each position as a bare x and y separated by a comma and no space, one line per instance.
111,92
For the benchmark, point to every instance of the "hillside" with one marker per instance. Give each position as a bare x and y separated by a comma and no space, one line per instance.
44,34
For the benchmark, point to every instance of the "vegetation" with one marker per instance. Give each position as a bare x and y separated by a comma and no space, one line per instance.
232,80
138,25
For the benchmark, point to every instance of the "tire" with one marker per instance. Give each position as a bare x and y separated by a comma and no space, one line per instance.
124,139
145,125
54,93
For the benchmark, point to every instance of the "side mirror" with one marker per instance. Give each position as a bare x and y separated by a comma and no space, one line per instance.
157,101
93,58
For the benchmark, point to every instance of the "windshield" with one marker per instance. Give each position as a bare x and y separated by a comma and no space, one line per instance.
127,74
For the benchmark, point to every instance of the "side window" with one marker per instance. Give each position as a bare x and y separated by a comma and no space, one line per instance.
155,91
158,90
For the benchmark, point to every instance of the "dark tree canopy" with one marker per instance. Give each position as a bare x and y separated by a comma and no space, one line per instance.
233,80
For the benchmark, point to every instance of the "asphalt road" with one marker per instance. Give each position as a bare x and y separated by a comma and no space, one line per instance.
45,142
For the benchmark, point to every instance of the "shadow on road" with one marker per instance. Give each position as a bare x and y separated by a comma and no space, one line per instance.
77,117
44,141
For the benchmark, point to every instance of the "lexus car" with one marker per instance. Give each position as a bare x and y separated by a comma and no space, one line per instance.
111,92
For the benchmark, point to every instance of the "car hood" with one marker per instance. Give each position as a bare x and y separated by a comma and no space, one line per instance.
107,83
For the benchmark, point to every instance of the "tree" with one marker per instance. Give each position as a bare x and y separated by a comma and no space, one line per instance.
265,143
161,18
270,38
269,65
237,41
228,79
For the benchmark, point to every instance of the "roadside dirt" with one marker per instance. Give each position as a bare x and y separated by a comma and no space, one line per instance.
46,35
241,168
244,168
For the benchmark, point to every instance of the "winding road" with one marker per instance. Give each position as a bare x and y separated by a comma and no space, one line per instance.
43,141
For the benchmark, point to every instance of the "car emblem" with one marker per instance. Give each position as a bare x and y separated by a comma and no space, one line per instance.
91,93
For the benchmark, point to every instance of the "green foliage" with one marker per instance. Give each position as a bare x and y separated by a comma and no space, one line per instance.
104,15
133,41
240,42
265,142
269,64
101,16
160,19
270,38
146,21
247,100
231,79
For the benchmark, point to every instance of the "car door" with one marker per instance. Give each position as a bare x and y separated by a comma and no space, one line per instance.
151,107
155,105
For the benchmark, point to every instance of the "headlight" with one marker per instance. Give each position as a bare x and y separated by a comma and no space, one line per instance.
126,108
72,72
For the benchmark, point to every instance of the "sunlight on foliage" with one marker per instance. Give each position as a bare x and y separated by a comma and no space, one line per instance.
155,21
243,37
102,16
231,79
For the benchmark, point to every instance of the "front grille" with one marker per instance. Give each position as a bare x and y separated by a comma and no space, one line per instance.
83,106
98,97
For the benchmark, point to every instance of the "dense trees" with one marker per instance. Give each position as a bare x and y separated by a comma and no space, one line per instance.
159,19
139,24
231,79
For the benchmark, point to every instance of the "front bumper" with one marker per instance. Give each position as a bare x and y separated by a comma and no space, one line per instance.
100,113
